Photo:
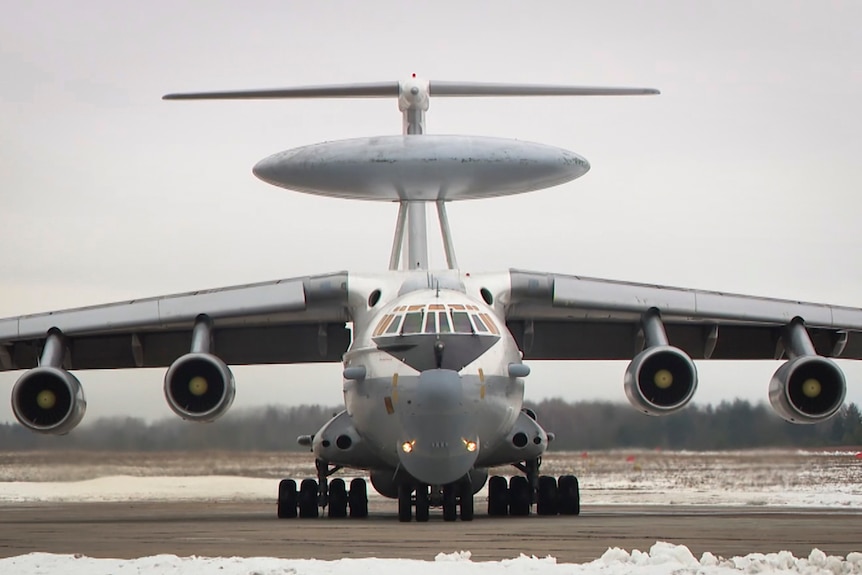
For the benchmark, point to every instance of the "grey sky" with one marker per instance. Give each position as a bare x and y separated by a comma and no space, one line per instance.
742,176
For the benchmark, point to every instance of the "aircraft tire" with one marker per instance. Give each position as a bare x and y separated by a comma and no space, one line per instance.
466,501
308,499
547,500
569,495
519,496
286,499
498,496
357,499
405,505
337,499
423,504
450,503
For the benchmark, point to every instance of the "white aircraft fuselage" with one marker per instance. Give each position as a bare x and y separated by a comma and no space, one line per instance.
433,381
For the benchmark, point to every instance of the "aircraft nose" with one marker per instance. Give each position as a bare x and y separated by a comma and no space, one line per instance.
440,444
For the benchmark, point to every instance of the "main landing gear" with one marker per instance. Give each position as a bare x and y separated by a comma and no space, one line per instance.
453,497
552,496
314,494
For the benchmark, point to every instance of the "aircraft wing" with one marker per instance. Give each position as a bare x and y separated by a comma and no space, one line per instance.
555,316
297,320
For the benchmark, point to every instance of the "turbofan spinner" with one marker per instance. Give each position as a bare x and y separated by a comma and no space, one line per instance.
199,386
808,388
48,399
661,379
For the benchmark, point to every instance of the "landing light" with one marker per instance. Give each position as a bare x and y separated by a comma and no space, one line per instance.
470,446
407,446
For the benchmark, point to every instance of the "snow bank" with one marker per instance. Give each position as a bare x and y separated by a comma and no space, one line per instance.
662,559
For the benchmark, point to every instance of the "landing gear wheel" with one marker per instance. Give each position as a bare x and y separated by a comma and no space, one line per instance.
337,498
423,504
450,504
569,495
466,500
308,499
546,501
498,496
520,498
405,505
358,498
286,499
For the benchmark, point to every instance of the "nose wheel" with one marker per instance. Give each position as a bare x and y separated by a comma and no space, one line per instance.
452,498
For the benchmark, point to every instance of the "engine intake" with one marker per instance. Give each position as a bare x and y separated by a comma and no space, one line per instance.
48,400
807,389
660,380
199,387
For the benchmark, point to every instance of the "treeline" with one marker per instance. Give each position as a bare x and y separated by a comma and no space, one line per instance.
730,425
577,426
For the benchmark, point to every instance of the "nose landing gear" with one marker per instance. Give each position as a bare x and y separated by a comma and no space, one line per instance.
452,497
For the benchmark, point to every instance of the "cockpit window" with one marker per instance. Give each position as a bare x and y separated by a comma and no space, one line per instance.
490,323
430,322
478,323
393,327
444,322
412,323
461,322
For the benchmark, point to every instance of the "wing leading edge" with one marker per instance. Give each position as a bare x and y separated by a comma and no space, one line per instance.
555,316
297,320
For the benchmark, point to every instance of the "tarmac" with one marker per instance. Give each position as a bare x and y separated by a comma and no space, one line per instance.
130,530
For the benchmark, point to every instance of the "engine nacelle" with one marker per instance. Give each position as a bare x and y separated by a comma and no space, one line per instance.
199,387
807,389
660,380
48,400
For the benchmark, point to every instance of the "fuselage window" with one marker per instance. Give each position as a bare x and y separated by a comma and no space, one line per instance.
478,322
444,322
412,323
393,327
430,323
461,322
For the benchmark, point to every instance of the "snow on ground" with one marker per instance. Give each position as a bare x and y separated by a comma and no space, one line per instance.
766,478
762,478
661,559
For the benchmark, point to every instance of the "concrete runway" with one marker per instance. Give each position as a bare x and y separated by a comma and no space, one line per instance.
128,530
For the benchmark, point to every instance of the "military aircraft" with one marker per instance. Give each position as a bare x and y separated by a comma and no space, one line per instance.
434,370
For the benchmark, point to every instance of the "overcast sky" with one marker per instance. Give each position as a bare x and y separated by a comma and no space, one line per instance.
742,176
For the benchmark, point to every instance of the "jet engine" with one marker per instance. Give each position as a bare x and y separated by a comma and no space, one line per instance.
199,387
660,380
807,389
48,400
